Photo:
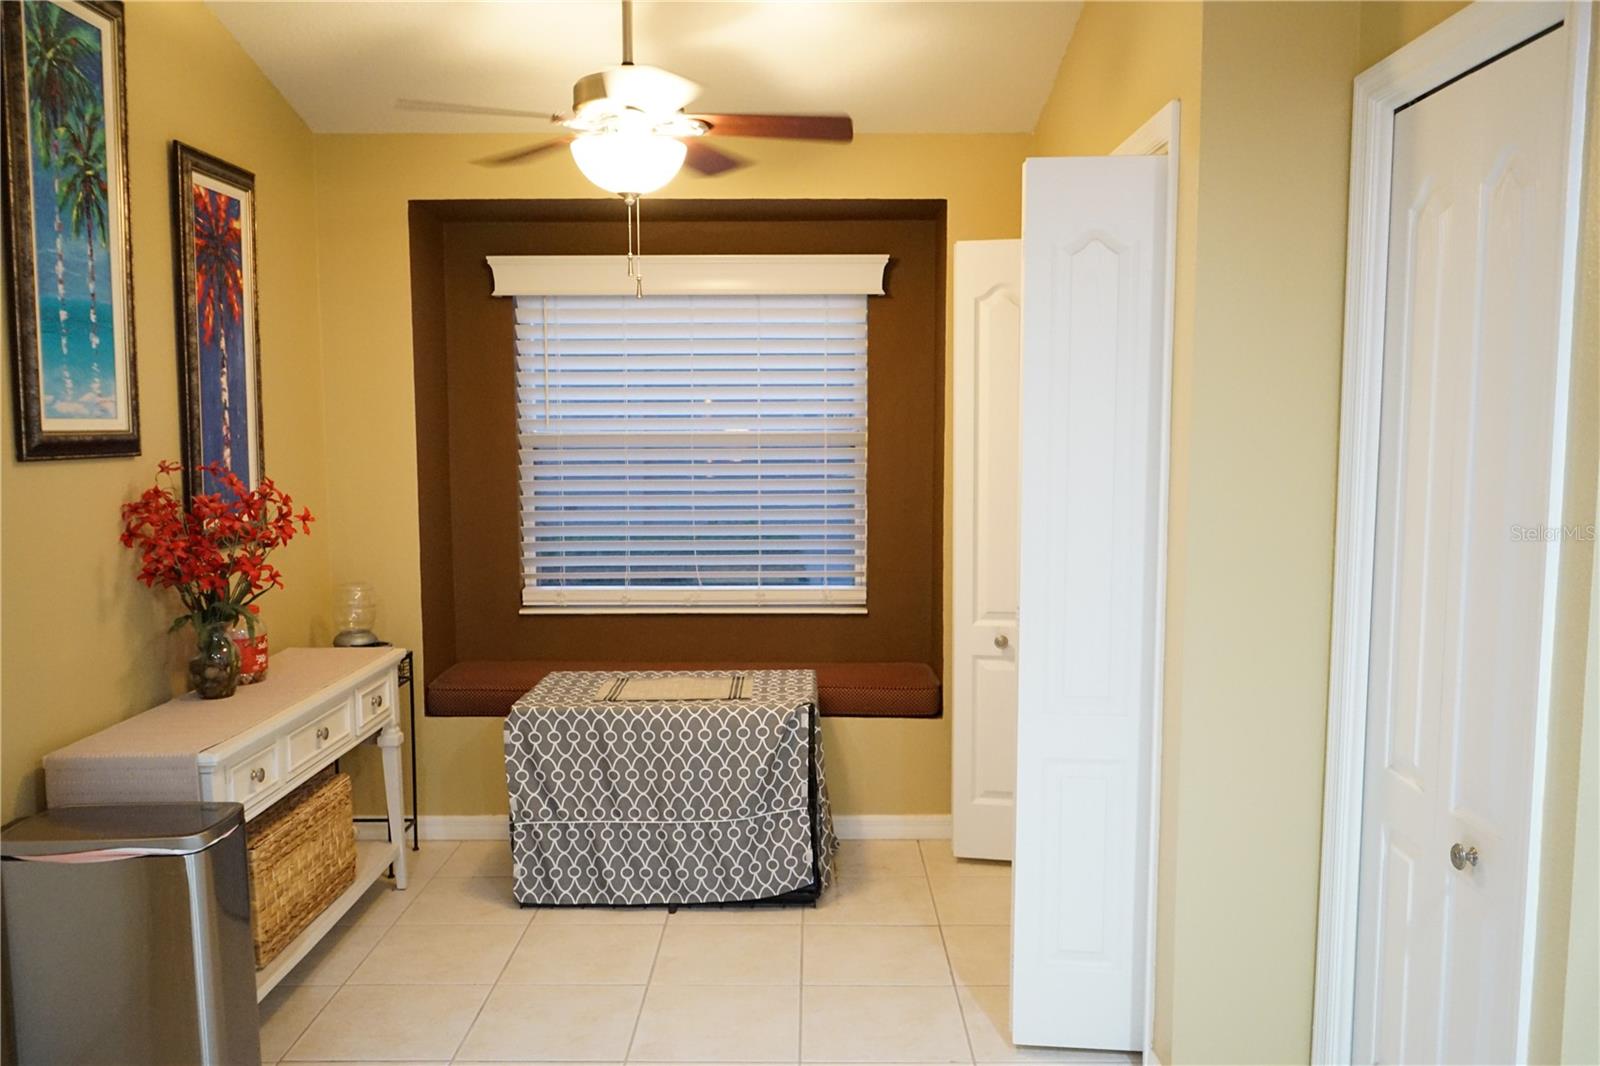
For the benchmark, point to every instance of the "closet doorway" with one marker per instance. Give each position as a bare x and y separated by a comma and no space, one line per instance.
1452,475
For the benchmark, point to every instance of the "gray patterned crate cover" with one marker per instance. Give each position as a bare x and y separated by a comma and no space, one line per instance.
700,801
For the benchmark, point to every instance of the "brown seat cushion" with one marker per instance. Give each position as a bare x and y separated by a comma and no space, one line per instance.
487,688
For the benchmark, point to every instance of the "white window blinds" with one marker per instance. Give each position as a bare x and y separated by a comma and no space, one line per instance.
693,451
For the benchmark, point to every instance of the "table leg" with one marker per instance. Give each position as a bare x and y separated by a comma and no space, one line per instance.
389,742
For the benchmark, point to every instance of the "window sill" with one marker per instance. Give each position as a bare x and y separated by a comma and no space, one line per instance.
708,608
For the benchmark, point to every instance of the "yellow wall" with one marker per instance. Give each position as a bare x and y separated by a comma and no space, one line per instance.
1251,593
363,185
1388,24
84,645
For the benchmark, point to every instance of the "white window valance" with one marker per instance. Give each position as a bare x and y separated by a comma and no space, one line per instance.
690,275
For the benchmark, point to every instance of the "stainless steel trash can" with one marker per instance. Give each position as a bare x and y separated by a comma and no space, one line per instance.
127,932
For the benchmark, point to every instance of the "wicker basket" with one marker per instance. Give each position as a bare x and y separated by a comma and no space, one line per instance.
302,856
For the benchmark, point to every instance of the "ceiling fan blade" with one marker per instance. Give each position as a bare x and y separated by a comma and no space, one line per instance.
793,127
522,155
448,108
710,161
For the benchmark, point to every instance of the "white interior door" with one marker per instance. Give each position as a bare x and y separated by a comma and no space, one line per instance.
1459,648
983,676
1093,307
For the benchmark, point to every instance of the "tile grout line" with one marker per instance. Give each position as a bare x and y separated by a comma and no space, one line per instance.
413,890
644,996
285,1056
961,1008
926,875
340,987
417,887
492,986
800,1015
933,897
359,962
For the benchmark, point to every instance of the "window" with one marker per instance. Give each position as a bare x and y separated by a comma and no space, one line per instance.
693,451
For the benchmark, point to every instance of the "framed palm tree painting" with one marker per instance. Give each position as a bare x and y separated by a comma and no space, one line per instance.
75,385
220,370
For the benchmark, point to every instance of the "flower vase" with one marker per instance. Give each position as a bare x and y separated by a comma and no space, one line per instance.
214,670
252,645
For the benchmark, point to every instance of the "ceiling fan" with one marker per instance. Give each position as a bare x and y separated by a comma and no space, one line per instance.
629,132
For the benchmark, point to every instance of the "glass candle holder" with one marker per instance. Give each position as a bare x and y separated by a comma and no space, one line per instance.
355,609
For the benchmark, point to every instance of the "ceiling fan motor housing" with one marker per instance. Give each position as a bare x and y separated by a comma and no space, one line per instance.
656,92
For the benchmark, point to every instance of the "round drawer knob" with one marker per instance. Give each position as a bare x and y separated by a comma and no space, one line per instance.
1002,641
322,732
259,774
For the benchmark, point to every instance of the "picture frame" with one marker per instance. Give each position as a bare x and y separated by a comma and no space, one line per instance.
69,256
219,362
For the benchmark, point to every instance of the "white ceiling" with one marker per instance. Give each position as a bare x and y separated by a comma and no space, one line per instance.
899,66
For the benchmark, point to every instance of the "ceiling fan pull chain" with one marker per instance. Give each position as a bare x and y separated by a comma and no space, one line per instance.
635,245
627,206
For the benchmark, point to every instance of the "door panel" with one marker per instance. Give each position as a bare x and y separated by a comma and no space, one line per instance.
1094,267
994,755
997,364
1470,391
1397,915
988,365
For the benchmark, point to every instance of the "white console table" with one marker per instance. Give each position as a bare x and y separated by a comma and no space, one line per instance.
254,748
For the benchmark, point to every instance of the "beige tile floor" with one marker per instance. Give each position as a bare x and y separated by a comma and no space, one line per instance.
904,961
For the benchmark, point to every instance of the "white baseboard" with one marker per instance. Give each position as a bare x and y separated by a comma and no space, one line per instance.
448,827
892,826
848,826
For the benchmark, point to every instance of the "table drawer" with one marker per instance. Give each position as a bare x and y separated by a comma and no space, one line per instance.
329,728
375,700
255,773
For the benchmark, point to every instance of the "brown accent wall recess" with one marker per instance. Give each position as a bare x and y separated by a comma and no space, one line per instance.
469,519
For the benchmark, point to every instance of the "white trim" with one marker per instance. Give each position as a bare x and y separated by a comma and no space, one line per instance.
1159,136
892,826
1465,40
690,275
698,607
848,827
821,599
447,827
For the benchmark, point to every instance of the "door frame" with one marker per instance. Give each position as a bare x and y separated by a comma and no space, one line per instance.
1460,44
1159,136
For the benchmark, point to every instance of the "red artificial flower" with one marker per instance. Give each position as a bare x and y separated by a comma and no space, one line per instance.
215,553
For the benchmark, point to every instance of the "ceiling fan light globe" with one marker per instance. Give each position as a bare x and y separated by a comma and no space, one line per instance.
628,163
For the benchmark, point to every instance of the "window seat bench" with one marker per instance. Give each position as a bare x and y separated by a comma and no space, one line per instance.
488,688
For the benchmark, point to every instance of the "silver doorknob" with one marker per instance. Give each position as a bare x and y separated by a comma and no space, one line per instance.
1001,640
1462,857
